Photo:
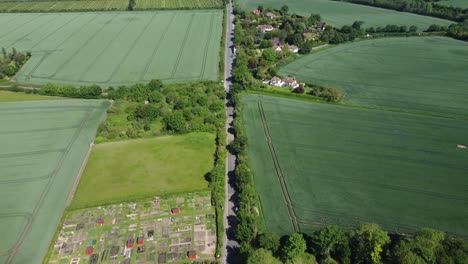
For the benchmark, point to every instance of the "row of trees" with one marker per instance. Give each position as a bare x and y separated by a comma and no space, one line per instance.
10,63
422,7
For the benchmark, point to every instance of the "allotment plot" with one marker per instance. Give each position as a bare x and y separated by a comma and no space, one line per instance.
345,166
426,74
115,48
341,13
43,145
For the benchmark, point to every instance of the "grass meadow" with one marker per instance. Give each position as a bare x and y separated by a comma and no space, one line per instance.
115,48
177,4
43,145
342,13
350,165
134,169
424,74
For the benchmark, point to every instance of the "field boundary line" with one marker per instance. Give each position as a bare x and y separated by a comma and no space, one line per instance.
78,176
184,44
61,66
44,193
158,45
279,174
207,47
112,39
114,72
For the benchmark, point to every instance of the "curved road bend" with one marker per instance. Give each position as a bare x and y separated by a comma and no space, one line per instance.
230,246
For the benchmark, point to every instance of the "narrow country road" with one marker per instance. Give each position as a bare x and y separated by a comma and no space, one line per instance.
230,246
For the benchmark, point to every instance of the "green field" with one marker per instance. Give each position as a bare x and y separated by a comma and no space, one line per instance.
177,4
43,145
102,5
341,13
455,3
346,165
13,97
418,74
115,48
62,5
133,169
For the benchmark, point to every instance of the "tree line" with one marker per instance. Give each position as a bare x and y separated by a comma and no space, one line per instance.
421,7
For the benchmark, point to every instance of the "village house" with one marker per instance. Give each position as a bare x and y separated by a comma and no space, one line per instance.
285,82
270,15
290,82
294,48
321,26
310,34
276,81
278,48
265,28
256,12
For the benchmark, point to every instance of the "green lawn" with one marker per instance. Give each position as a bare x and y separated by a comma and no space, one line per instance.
6,96
349,165
43,145
115,48
455,3
342,13
419,74
133,169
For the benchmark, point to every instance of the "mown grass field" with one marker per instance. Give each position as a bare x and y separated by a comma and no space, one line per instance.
115,48
43,145
455,3
134,169
6,96
348,165
341,13
177,4
416,74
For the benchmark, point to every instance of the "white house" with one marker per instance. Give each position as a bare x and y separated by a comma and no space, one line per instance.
276,81
290,82
265,28
278,48
294,48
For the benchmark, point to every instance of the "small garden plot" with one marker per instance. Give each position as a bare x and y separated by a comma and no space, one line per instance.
146,231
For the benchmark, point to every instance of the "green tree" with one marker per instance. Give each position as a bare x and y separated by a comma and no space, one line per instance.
294,246
155,85
427,243
266,44
368,242
269,240
284,9
325,240
262,256
269,55
176,122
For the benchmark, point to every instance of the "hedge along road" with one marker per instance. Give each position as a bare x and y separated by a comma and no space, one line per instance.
340,13
349,165
43,145
115,48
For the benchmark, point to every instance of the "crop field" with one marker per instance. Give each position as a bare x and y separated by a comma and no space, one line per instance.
162,235
341,13
133,169
426,74
43,145
117,48
62,5
341,165
6,96
455,3
177,4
